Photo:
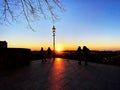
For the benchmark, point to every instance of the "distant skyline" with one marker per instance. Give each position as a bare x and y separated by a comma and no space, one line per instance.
94,23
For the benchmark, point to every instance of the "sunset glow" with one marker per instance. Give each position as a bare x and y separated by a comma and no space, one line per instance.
58,49
91,23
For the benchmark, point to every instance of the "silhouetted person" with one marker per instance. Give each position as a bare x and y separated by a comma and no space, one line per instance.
42,54
86,54
49,52
79,54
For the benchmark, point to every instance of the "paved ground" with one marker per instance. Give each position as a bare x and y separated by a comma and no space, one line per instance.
62,74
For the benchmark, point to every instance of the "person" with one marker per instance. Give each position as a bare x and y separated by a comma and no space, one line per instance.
79,54
86,54
49,53
42,54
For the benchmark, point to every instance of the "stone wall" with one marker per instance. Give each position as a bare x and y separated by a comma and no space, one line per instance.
14,57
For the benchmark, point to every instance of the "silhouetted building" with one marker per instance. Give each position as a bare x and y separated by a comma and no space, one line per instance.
3,44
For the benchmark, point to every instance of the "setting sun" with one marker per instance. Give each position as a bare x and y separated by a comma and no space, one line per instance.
58,49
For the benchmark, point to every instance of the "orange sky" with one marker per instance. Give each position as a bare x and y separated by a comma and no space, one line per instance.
67,47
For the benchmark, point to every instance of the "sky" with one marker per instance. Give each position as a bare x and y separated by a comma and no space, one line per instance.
91,23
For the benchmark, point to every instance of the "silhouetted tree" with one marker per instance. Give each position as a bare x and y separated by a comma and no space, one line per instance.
10,10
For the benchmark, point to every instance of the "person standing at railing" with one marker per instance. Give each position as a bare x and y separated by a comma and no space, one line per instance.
86,52
79,54
42,55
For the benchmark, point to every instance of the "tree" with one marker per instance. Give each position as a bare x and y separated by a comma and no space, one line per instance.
10,10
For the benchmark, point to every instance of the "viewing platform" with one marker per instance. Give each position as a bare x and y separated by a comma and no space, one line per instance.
61,74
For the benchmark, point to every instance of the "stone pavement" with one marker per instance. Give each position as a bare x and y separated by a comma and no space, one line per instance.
61,74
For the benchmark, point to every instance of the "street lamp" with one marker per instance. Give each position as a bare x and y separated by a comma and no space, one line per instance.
53,29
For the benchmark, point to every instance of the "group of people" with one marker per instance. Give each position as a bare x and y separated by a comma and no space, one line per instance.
83,54
43,55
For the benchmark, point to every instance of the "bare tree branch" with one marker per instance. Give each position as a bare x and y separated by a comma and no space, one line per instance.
12,9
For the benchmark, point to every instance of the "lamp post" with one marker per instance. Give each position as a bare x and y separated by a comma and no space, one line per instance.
53,29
